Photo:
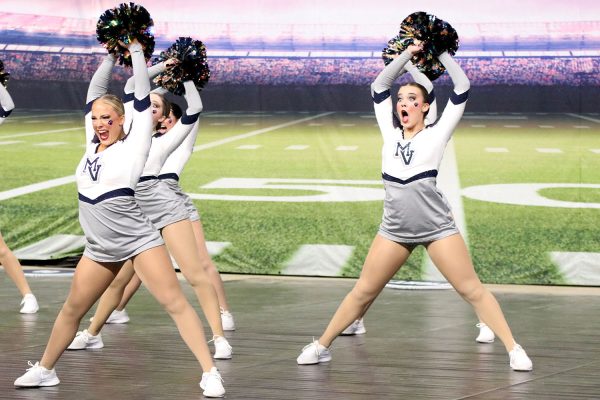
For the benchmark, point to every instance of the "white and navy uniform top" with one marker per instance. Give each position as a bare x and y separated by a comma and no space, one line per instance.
6,104
172,168
415,210
161,204
114,226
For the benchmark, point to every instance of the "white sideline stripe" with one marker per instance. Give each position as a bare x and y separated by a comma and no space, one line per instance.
249,123
40,133
257,132
578,268
512,126
546,126
10,142
36,187
584,117
297,147
347,124
346,148
595,151
496,149
315,124
49,144
478,126
495,117
218,123
548,150
249,146
18,117
449,183
318,259
581,126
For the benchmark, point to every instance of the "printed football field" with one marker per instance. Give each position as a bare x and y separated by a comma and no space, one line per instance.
300,193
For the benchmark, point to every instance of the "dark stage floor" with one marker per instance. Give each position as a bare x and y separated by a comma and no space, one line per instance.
419,345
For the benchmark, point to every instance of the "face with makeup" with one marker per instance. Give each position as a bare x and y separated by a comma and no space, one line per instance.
107,121
159,108
166,125
412,107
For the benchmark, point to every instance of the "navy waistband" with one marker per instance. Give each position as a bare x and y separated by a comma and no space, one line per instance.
147,178
427,174
170,175
108,195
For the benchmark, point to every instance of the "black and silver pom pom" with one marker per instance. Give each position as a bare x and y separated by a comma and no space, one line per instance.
436,35
123,24
3,75
191,65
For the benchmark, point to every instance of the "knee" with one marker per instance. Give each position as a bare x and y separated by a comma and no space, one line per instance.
73,309
173,302
363,293
472,291
197,278
4,252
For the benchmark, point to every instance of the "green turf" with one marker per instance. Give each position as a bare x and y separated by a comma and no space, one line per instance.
509,244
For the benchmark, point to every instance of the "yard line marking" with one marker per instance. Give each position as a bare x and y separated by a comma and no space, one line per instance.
548,150
258,132
595,151
249,124
36,187
41,133
318,259
347,124
578,268
495,117
297,147
512,126
581,126
315,124
10,142
584,117
546,126
49,144
478,126
496,149
218,123
249,146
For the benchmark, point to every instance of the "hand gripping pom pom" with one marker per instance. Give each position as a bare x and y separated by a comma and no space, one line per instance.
436,35
123,24
3,75
191,65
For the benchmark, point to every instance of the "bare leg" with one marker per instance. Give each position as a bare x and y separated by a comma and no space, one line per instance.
181,242
13,268
110,298
89,282
383,260
451,257
209,266
131,288
154,268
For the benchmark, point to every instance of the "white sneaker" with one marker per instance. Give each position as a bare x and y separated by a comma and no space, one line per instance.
29,304
118,317
83,341
486,335
212,383
227,320
355,328
37,376
223,350
519,361
314,353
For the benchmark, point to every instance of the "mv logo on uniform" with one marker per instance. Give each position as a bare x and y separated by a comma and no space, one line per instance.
405,152
93,167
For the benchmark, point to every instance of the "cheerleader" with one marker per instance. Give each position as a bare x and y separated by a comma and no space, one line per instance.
8,260
117,230
415,211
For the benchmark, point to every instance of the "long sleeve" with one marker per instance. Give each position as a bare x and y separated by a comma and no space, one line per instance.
458,99
101,79
6,103
390,73
153,71
424,81
192,97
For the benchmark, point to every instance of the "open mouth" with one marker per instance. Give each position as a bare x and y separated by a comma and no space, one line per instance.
404,116
103,135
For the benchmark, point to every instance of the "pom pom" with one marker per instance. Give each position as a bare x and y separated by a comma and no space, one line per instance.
436,35
123,24
191,65
3,75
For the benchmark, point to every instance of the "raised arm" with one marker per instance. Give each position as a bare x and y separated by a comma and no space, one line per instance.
101,79
458,99
141,125
390,73
424,81
6,103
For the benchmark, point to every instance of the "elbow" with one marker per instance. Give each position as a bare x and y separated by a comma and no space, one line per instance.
463,85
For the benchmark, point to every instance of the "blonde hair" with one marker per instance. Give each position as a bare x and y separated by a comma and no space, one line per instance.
114,101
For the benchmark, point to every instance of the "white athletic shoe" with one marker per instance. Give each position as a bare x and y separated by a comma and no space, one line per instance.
227,320
223,350
355,328
83,341
118,317
314,353
212,383
519,361
29,304
37,376
486,335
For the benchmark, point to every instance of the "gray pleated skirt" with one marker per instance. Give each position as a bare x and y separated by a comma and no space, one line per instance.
193,214
159,203
416,213
116,229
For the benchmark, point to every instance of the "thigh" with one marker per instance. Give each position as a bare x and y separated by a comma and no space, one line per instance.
155,270
451,257
384,259
200,239
90,280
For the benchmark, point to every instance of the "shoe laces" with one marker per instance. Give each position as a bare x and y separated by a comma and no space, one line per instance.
314,343
213,374
480,325
32,366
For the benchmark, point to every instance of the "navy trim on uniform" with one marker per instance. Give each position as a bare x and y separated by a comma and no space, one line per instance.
128,97
147,178
88,107
427,174
108,195
379,97
431,97
457,99
170,175
4,113
189,119
141,104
